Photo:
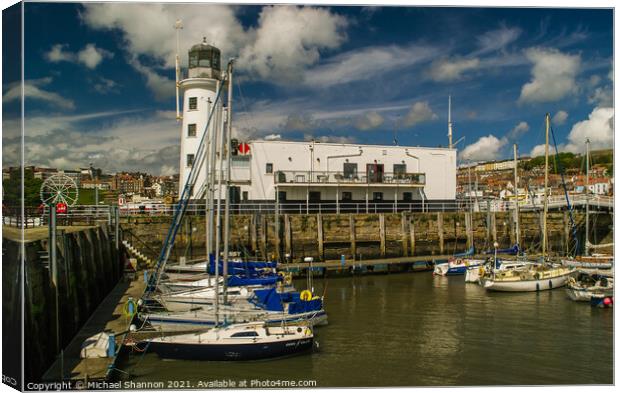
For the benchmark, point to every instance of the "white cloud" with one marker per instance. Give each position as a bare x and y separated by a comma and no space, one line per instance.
602,96
299,123
599,128
56,54
539,150
560,118
330,138
104,86
452,69
90,56
553,75
517,131
273,137
33,91
484,149
69,142
420,112
366,63
369,121
288,39
494,40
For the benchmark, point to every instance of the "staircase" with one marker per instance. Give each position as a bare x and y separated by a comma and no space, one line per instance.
134,252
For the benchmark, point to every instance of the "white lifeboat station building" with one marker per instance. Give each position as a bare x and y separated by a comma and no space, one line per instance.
311,176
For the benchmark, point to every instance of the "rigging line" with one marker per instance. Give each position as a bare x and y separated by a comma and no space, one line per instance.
570,208
245,106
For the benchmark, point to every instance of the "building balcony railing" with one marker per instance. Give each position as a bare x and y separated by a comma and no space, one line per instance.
334,177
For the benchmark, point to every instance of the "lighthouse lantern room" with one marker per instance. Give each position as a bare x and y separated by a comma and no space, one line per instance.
199,90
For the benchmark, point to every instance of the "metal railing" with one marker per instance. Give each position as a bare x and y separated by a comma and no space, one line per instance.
338,177
91,214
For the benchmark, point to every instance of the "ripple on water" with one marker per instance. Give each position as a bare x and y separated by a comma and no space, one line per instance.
419,329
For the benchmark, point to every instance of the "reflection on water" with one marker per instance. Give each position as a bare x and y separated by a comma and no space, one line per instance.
420,330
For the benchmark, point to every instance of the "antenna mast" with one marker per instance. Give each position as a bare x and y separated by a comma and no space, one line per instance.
177,26
450,121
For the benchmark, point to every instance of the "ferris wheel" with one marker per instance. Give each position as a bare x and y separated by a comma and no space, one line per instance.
59,188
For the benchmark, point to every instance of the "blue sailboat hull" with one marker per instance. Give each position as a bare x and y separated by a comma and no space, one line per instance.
222,352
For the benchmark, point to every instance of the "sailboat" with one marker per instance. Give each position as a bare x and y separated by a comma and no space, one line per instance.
475,274
586,285
534,277
596,261
223,340
249,341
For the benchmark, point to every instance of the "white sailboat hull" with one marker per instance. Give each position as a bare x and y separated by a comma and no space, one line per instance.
526,285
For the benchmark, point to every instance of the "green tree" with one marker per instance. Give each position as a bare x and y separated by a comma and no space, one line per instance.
12,188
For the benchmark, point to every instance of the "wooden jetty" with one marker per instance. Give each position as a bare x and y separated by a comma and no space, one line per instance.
109,317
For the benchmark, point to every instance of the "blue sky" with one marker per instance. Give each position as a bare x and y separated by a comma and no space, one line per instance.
100,78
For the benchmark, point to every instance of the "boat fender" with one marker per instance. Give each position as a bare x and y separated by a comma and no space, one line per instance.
305,295
550,284
537,287
130,307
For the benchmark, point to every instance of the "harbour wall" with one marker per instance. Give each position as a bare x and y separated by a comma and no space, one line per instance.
89,265
367,236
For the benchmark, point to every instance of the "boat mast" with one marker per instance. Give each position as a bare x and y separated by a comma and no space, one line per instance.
227,196
218,232
545,202
450,122
518,230
587,195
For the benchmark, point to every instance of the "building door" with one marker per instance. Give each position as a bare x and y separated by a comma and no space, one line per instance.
374,172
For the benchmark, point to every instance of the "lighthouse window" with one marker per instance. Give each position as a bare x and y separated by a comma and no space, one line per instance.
190,159
204,59
191,130
193,103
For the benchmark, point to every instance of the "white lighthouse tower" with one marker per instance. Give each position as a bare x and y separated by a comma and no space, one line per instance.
199,90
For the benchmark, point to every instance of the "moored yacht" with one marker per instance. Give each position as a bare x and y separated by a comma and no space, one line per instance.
249,341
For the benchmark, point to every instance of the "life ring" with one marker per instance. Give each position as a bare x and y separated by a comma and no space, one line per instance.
305,295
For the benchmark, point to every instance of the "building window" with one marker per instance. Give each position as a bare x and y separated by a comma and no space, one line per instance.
407,196
245,195
377,196
281,196
269,168
400,170
193,103
347,196
240,162
191,130
314,196
190,159
349,170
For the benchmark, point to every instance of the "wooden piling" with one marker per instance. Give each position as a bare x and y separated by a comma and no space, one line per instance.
440,231
253,233
382,233
352,236
468,229
319,229
512,231
403,232
288,236
412,235
263,238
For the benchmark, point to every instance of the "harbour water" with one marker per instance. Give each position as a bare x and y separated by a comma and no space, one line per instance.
422,330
